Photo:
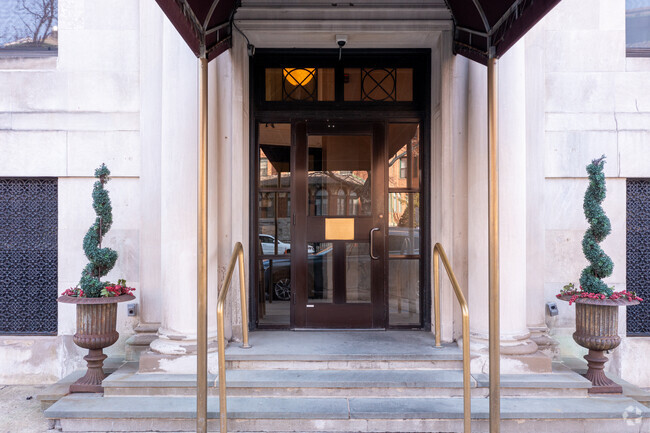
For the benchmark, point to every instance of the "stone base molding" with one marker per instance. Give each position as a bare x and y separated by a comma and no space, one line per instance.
518,355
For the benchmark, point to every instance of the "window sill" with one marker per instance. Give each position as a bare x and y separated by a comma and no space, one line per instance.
28,60
637,52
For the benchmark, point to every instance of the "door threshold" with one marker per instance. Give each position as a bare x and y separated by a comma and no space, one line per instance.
338,329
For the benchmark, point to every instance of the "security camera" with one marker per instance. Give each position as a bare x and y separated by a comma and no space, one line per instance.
341,40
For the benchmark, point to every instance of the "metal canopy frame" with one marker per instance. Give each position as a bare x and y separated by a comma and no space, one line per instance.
483,31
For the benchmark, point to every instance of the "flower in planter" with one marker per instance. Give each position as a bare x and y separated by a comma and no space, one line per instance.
572,294
117,289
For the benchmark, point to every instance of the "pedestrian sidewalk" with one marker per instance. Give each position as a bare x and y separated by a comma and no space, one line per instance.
20,411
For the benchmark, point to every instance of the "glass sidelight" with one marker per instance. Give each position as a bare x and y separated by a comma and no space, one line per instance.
274,243
404,224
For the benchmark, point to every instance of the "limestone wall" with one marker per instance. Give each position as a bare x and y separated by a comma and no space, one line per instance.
62,117
597,102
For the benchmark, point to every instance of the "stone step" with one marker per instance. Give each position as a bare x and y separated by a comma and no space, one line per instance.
344,383
264,356
94,413
325,350
55,391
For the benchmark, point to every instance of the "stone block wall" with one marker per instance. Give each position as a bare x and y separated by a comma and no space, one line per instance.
62,117
597,102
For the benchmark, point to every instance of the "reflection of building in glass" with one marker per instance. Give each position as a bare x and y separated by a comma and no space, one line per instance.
637,25
29,25
339,175
336,194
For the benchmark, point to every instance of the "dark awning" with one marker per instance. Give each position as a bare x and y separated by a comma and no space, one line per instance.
198,21
484,25
482,28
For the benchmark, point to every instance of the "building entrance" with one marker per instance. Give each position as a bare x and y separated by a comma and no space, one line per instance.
339,222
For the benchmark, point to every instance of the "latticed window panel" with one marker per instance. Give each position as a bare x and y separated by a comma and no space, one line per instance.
28,256
379,84
299,84
638,254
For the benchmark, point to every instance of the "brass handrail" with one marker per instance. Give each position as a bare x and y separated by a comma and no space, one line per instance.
438,255
237,255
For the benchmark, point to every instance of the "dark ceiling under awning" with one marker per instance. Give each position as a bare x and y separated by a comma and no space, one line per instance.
482,28
202,22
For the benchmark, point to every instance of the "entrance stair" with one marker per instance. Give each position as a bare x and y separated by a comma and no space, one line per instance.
380,381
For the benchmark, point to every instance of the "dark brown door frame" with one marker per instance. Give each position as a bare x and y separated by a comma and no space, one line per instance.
419,111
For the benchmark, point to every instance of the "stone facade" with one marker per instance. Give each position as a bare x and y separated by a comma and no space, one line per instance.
120,93
597,102
62,117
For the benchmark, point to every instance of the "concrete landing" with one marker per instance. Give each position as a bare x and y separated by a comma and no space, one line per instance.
306,350
342,345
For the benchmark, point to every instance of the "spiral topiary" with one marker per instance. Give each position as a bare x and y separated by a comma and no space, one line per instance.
601,265
101,259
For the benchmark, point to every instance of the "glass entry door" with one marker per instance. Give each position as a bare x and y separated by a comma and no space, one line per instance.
339,225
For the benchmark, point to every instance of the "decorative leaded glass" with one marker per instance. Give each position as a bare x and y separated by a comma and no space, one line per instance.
28,256
379,84
638,254
299,84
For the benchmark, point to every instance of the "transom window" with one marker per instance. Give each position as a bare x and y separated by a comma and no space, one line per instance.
360,77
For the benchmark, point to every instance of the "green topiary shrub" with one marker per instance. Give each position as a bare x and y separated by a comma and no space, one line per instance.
101,259
601,265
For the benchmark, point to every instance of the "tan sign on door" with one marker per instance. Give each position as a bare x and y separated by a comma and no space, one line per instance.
339,229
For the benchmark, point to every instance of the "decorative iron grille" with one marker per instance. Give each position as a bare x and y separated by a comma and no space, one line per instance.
638,254
28,256
379,84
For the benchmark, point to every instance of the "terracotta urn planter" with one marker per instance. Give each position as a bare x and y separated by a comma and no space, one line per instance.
597,330
96,323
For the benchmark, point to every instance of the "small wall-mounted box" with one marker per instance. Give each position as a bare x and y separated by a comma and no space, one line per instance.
551,309
131,309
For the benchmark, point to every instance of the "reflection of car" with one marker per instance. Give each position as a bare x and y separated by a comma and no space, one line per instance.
277,274
268,245
277,278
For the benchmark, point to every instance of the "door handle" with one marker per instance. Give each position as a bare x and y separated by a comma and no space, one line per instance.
372,243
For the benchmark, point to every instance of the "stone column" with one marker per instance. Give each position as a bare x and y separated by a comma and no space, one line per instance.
512,200
232,166
477,173
176,344
516,346
151,23
224,149
535,181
